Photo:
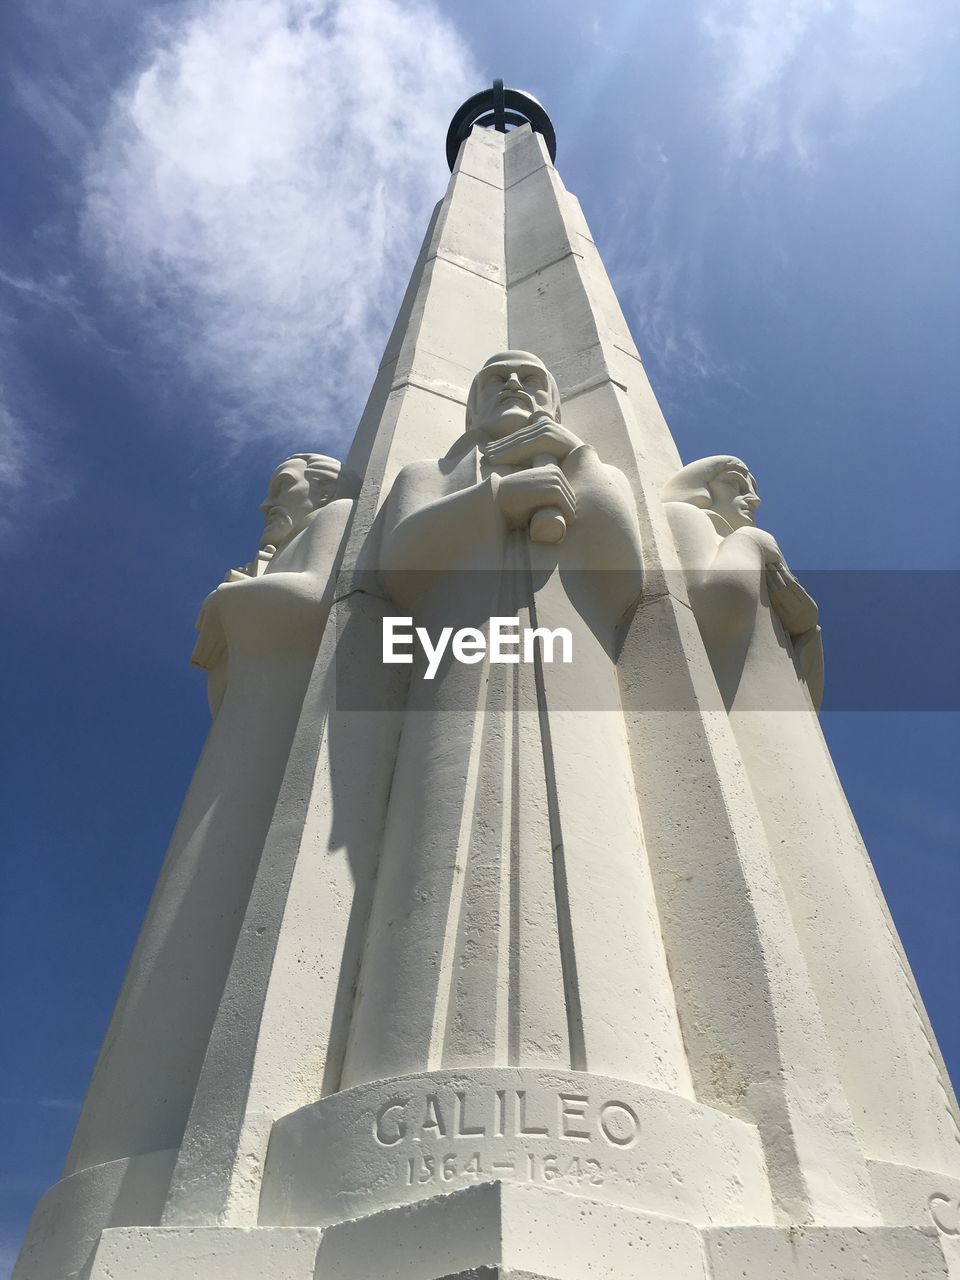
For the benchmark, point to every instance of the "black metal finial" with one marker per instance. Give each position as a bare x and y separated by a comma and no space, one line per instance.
499,108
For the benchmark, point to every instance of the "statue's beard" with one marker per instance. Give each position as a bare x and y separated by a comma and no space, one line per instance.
278,532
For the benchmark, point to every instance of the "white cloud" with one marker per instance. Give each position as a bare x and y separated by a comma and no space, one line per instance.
15,438
657,271
793,72
29,425
260,192
13,450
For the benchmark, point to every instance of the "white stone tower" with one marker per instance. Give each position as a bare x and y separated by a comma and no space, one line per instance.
512,968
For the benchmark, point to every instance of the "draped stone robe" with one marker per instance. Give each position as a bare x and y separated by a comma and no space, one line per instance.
513,920
145,1078
885,1053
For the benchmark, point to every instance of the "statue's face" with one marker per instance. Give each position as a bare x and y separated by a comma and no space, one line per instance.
289,504
734,497
508,394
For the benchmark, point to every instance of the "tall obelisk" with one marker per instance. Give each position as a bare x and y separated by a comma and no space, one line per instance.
517,966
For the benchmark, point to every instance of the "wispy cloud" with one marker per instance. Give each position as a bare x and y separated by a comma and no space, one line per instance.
654,280
17,442
14,449
54,293
779,81
657,273
51,103
259,192
60,1104
792,73
50,1103
27,425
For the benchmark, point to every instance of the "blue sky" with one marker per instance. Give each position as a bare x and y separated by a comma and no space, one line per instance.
209,211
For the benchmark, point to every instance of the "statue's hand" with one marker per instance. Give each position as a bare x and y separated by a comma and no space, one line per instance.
540,436
523,493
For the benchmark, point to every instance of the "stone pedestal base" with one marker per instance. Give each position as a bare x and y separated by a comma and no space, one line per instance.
498,1230
416,1138
824,1253
67,1222
205,1253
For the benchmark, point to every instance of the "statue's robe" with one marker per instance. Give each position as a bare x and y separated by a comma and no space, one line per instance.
512,849
885,1054
145,1077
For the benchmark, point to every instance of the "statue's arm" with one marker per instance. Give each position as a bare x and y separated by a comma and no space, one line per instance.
424,530
720,575
613,531
723,575
795,607
263,588
210,652
798,614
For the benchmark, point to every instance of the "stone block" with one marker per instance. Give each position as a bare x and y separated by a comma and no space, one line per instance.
825,1253
497,1230
205,1253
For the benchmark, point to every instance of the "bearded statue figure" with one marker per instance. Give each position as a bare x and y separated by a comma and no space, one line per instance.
513,849
259,634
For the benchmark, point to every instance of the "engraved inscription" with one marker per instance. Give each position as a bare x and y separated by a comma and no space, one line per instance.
423,1168
389,1127
945,1212
619,1124
412,1138
573,1108
462,1115
461,1128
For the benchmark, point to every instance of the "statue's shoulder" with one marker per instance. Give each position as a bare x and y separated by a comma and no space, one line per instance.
687,520
685,513
422,469
432,478
684,517
338,511
693,532
336,514
419,480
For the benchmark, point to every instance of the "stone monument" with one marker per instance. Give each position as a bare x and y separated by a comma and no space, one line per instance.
515,923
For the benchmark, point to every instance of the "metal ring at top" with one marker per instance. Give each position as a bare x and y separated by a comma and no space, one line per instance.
497,108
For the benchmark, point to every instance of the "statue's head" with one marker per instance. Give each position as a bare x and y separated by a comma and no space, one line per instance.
301,485
510,389
721,484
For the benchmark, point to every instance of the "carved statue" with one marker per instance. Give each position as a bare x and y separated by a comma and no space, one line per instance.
760,631
298,489
733,570
259,634
512,842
